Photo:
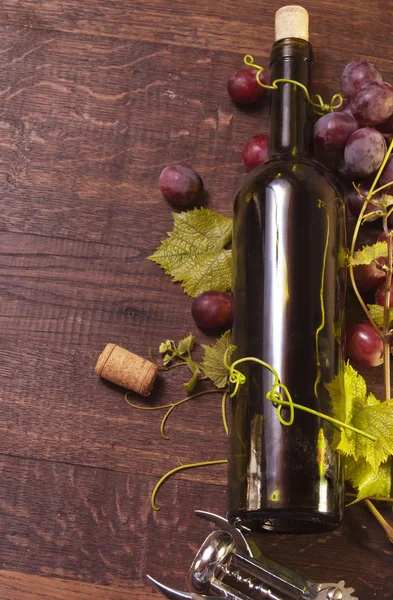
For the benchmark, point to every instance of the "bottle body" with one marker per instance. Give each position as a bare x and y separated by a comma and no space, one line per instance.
289,295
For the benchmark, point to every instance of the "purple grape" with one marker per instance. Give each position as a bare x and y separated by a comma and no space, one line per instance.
212,310
332,131
255,151
364,152
243,87
181,185
373,104
387,176
355,202
364,344
358,73
386,127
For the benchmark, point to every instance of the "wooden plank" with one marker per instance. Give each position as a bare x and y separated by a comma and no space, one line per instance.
87,125
95,526
231,26
19,586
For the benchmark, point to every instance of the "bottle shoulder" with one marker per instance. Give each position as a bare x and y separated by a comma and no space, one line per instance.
306,173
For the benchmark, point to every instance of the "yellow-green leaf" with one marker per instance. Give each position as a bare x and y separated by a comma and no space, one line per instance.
367,254
213,360
369,482
377,314
194,252
186,345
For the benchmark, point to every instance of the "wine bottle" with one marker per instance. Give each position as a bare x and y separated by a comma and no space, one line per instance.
289,295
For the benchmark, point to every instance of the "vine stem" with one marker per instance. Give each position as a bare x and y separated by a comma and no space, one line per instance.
175,404
388,529
383,523
176,470
355,237
223,411
386,313
376,498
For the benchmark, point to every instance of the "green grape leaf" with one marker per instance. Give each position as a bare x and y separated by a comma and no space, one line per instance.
377,311
347,391
376,419
196,371
372,216
369,482
352,405
367,254
167,346
194,252
387,200
186,345
213,360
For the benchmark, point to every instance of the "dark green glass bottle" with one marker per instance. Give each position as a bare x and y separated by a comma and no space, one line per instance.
289,295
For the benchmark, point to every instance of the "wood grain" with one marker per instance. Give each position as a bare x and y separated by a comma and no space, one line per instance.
19,586
95,98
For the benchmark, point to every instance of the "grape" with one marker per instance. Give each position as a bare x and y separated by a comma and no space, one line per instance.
255,151
386,127
181,185
212,310
364,344
387,177
368,277
358,73
380,295
364,152
355,202
373,104
332,131
243,87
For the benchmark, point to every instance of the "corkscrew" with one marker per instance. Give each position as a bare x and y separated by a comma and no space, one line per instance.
229,566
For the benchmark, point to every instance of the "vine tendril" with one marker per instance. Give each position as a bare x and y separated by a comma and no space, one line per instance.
319,106
238,378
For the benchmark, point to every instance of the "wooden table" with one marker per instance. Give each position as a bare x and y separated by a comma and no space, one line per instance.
96,98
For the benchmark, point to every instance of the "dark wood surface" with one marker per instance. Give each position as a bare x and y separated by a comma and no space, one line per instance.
95,98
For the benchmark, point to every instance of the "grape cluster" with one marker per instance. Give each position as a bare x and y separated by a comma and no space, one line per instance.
357,132
356,135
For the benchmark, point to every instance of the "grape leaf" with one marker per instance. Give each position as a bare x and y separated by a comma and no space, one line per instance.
367,254
368,481
347,390
194,251
186,345
377,311
387,200
196,371
352,405
378,421
213,360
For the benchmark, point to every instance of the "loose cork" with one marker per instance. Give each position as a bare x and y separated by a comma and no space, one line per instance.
292,22
129,370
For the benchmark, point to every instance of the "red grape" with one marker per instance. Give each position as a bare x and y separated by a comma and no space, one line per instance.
181,185
355,202
358,73
380,295
387,177
364,152
332,131
364,344
255,151
243,87
212,310
373,104
368,277
386,127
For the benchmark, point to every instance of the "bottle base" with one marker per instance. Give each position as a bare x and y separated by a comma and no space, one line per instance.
282,521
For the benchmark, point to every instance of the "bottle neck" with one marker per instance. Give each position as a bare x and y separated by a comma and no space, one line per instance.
291,126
